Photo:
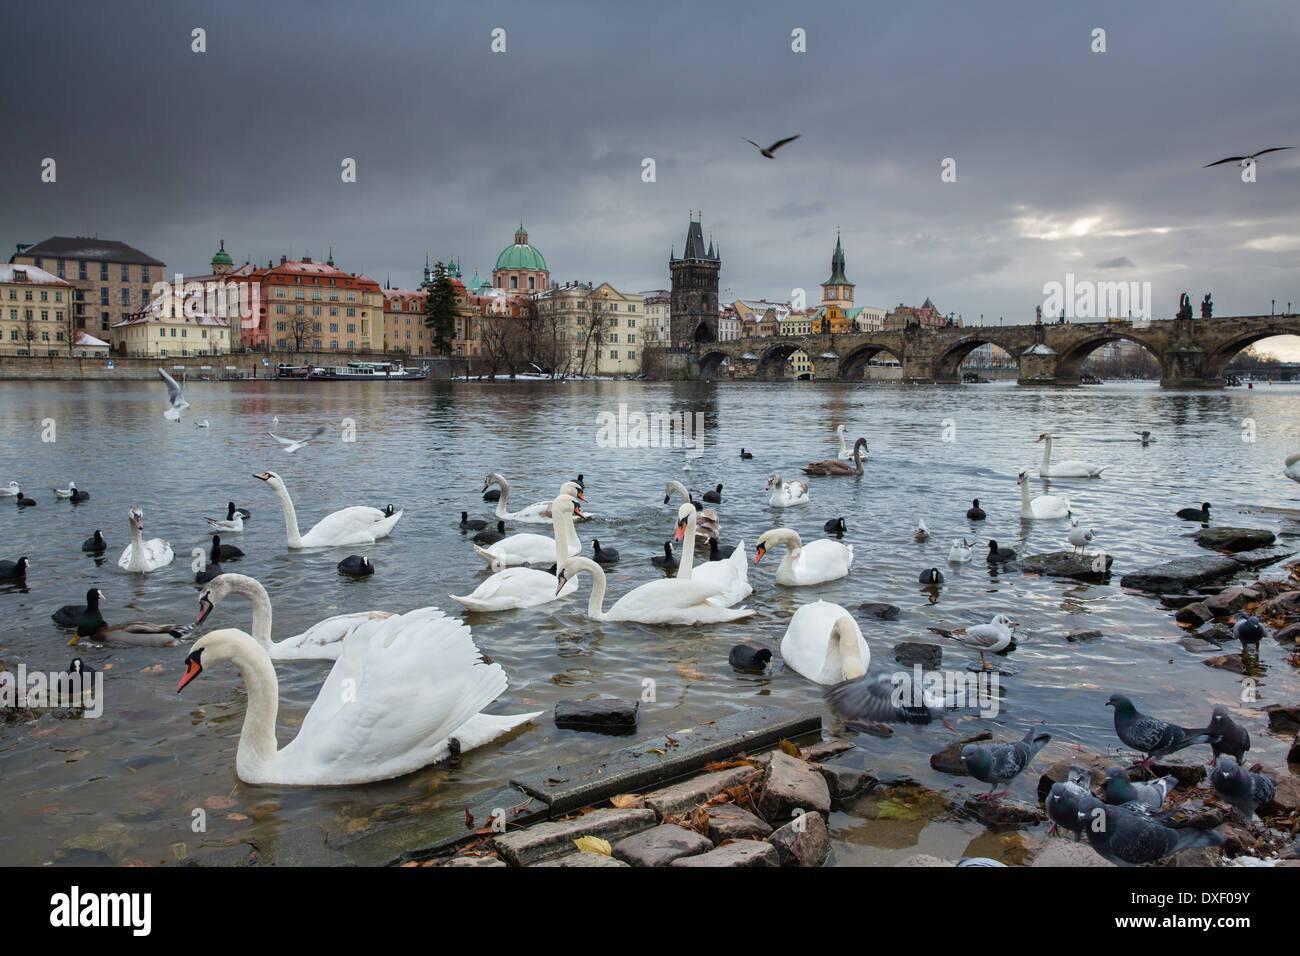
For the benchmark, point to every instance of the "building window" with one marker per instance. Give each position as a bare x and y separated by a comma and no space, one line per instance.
126,273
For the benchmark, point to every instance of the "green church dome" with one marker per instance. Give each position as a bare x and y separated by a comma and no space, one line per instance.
222,258
520,255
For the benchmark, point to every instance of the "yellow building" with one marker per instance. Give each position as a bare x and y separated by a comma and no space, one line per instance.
164,330
597,328
110,279
404,328
35,312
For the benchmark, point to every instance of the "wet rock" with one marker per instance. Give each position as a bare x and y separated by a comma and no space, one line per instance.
1173,601
660,846
741,853
1287,635
476,861
582,859
791,784
1004,813
804,841
1261,558
1283,718
603,715
876,609
1198,646
1233,539
1219,634
544,841
1198,814
1194,615
1082,637
730,822
1069,853
1285,604
1188,775
1059,772
948,760
1237,839
826,749
1181,574
1293,755
1197,856
1287,795
681,797
1230,601
845,783
911,653
1064,564
1273,588
1226,662
925,859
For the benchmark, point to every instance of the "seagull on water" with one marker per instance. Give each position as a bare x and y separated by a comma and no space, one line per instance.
774,147
176,396
293,444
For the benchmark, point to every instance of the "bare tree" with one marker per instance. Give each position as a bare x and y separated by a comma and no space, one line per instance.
591,326
300,329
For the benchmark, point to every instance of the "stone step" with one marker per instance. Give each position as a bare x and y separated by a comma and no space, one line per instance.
546,841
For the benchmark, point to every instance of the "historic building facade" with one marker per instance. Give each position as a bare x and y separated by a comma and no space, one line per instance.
598,328
520,268
35,309
694,296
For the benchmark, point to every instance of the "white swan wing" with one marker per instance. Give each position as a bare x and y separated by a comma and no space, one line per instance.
358,524
402,687
732,574
806,646
663,601
324,639
515,587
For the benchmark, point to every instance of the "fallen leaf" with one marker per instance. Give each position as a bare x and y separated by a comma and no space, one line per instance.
219,803
788,748
625,800
469,818
76,755
591,844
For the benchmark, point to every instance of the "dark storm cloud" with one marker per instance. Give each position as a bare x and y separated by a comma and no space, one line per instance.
1119,262
1061,154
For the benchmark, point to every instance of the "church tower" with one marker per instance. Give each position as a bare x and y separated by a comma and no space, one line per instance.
693,307
837,290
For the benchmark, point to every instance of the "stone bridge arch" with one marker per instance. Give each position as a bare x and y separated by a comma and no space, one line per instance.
947,365
773,358
712,360
853,363
1217,358
1070,363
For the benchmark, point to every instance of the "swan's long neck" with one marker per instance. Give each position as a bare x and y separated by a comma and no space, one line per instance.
843,447
252,589
137,538
688,549
1291,460
845,642
566,535
290,516
1025,510
857,455
503,502
257,738
680,488
595,610
1047,452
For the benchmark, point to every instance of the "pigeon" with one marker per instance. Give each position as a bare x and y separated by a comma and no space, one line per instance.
715,496
781,142
993,637
175,397
1151,796
1244,790
356,566
1080,538
835,526
750,659
1000,555
14,570
95,543
975,512
478,524
874,698
1001,763
931,577
1248,630
604,555
1151,735
922,532
1066,801
1246,160
1127,838
1234,739
291,445
959,553
1195,514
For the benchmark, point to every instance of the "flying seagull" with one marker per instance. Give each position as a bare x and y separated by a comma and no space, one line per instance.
1244,160
781,142
293,444
176,396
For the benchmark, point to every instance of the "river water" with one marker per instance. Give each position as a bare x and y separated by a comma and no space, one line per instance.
125,787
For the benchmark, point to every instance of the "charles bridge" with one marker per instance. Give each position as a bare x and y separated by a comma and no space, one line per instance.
1192,352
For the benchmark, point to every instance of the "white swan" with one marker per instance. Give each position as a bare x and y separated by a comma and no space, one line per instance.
812,563
406,693
960,552
787,494
825,644
667,601
509,588
1065,469
140,555
845,451
322,641
707,522
529,548
1042,507
10,489
359,524
732,574
539,512
1292,471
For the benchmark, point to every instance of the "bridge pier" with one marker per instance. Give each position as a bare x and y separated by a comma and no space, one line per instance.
1185,366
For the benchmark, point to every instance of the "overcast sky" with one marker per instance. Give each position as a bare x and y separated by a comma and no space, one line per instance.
1066,160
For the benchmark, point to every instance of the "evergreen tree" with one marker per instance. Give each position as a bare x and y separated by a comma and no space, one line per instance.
440,309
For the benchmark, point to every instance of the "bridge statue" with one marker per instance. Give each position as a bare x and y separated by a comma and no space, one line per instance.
1038,315
1184,306
1207,307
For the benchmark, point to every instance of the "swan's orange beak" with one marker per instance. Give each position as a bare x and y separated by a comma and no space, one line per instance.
205,608
192,670
265,476
680,532
758,554
582,497
578,512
